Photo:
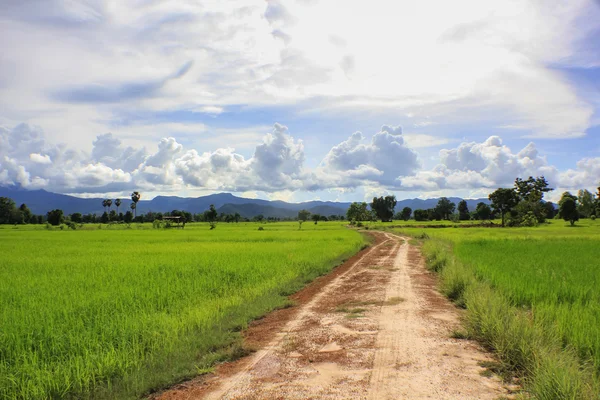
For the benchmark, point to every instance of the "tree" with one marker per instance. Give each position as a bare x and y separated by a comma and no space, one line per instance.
236,217
405,213
357,212
421,215
483,212
567,208
463,211
210,216
104,204
316,218
77,218
25,212
532,189
598,203
445,208
135,197
7,208
133,207
530,193
550,210
303,215
586,203
118,204
109,204
55,217
384,207
128,217
503,200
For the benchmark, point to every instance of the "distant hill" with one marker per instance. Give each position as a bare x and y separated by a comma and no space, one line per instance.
41,201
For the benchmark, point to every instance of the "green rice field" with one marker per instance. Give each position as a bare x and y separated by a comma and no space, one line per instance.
114,313
549,276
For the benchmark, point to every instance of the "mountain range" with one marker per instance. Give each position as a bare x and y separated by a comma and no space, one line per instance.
41,201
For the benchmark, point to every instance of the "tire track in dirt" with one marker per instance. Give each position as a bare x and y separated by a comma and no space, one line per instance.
377,330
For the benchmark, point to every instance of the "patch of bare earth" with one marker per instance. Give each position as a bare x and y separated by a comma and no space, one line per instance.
375,328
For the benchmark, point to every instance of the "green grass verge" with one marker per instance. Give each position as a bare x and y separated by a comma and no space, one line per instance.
533,349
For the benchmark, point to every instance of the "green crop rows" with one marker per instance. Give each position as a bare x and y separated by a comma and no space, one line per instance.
532,295
117,312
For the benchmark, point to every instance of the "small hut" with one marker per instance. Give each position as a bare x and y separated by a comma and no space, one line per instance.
175,222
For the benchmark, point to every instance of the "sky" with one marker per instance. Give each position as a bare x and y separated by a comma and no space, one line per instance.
299,100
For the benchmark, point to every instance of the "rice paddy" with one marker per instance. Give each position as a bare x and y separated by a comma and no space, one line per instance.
547,278
115,313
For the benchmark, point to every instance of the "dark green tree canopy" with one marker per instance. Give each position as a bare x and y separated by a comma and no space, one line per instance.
532,189
406,213
445,207
567,208
463,211
483,212
384,207
55,217
211,214
358,212
504,200
303,215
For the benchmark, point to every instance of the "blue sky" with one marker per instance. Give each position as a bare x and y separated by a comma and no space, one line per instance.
265,98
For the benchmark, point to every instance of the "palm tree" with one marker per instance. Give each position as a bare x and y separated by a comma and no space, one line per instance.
117,203
135,197
133,207
109,204
104,205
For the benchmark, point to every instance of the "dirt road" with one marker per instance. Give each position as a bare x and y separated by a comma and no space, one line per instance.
375,329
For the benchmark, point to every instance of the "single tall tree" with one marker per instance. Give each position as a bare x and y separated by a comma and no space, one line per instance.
532,189
503,200
303,215
26,212
586,203
384,207
445,207
135,197
567,208
405,214
55,217
483,212
118,204
104,205
133,207
109,204
463,211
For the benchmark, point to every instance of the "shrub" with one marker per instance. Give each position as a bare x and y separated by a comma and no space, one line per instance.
260,228
593,217
529,219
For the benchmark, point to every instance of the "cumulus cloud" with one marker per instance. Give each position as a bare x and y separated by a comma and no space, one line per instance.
489,164
385,163
383,160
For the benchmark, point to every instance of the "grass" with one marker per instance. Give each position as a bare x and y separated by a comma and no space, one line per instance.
116,312
532,296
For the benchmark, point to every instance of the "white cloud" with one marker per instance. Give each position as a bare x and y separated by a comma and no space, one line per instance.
489,164
75,68
421,140
40,159
384,160
276,168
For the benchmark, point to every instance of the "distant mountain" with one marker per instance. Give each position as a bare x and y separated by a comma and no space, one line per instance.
41,201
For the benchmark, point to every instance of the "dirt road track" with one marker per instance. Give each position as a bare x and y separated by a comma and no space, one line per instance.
374,329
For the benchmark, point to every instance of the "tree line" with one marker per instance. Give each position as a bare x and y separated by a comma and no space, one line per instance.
521,205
